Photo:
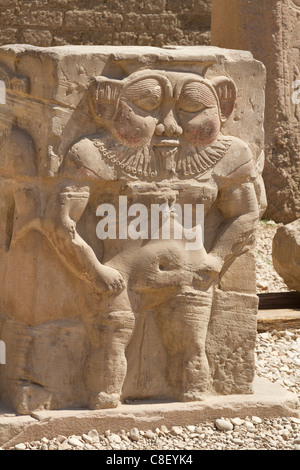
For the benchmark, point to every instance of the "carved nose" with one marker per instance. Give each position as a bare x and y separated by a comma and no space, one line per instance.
169,126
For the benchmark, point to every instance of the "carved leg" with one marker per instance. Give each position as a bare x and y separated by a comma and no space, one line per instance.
183,326
106,366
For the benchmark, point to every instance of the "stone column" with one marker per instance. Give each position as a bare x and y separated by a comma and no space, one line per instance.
93,316
270,29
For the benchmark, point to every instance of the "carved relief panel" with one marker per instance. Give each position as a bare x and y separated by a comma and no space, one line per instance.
132,312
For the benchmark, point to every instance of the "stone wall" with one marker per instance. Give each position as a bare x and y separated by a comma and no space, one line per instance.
112,22
270,30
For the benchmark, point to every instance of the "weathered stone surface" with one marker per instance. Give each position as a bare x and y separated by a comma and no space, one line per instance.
286,254
89,317
114,22
268,400
271,31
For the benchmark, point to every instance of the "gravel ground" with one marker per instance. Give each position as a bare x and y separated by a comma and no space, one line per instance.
277,358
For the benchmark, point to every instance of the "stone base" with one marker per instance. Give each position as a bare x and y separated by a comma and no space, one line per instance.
269,400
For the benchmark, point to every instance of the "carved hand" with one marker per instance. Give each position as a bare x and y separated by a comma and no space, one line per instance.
108,280
210,269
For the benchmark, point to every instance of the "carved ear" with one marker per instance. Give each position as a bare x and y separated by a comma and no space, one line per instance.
14,81
226,91
104,96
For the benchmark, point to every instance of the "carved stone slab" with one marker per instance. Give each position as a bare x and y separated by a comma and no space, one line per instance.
97,303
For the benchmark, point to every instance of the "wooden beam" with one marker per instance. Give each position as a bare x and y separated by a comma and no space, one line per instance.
278,319
279,300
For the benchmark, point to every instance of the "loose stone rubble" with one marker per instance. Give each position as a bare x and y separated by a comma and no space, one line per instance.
277,359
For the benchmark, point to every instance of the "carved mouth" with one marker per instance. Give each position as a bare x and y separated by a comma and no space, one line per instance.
167,143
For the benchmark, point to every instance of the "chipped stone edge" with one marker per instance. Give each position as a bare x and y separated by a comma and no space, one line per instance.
269,400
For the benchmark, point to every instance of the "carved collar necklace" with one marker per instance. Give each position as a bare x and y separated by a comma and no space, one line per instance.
146,163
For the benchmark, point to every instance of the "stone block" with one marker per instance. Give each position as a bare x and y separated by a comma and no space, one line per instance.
39,18
88,19
94,309
151,23
8,35
36,37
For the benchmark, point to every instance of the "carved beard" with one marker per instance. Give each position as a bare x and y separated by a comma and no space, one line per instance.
156,162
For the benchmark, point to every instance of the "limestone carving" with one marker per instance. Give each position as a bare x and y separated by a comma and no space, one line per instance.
125,300
296,2
17,166
162,130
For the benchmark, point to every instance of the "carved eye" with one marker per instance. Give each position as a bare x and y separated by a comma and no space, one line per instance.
147,103
195,97
190,106
146,94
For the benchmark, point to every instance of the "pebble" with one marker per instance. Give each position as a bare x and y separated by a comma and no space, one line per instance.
134,434
256,420
94,435
239,442
191,428
250,426
224,425
115,438
75,442
176,430
20,446
150,434
237,421
164,429
277,358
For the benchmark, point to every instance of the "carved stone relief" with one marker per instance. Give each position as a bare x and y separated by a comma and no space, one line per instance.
132,317
296,3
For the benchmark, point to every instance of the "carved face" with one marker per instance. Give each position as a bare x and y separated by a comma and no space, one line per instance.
167,114
167,111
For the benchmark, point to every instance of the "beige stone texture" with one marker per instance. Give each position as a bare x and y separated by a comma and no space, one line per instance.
270,29
91,322
113,22
269,400
286,254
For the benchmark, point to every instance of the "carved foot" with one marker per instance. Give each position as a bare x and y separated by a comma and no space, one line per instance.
104,400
